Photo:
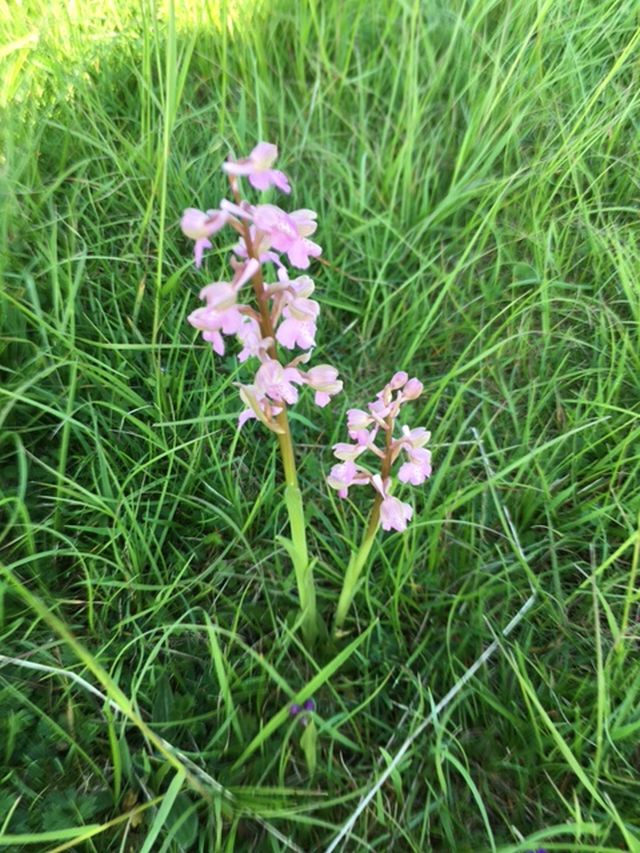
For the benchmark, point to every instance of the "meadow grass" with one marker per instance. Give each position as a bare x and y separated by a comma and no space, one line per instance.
474,164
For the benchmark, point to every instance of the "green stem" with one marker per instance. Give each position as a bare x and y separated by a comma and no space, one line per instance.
359,559
356,564
299,554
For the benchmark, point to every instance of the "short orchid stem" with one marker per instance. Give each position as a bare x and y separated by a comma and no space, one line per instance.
356,565
293,496
359,558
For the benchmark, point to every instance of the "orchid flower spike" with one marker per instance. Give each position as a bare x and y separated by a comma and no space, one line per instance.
363,428
285,313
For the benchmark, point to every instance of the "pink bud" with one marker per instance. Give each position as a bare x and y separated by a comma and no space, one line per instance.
398,380
412,389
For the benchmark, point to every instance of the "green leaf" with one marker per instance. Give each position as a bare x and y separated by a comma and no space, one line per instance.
309,742
163,700
44,837
163,812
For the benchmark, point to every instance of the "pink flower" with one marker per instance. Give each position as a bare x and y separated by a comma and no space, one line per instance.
199,226
219,296
258,406
394,514
257,167
211,322
417,469
414,437
221,312
342,477
358,423
288,232
324,380
260,248
346,452
300,313
293,332
222,315
277,382
251,338
213,337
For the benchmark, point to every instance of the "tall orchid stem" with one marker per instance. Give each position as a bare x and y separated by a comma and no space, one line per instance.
293,496
359,558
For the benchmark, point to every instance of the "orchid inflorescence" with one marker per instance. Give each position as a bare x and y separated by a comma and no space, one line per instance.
283,318
286,313
363,428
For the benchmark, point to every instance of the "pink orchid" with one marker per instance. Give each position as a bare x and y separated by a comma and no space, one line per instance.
254,345
342,477
346,452
257,167
363,428
414,437
358,423
221,312
199,226
261,247
294,332
258,406
412,442
417,469
212,322
288,232
324,380
394,514
300,313
277,382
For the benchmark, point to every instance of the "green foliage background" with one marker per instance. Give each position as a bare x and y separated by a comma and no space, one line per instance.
474,164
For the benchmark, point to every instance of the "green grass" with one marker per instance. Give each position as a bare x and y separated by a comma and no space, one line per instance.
474,164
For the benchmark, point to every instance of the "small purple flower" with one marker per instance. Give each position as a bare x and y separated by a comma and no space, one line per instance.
309,705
